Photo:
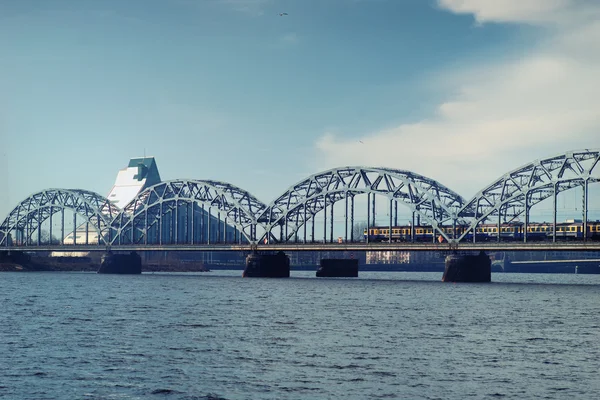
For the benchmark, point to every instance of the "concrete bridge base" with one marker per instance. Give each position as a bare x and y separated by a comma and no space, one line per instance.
468,268
267,265
337,267
121,263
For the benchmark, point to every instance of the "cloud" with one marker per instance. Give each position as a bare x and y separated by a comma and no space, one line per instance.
522,11
500,115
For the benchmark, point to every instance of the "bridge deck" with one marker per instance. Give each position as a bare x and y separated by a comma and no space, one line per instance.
288,247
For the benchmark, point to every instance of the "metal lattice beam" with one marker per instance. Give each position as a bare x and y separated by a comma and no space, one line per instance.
37,208
300,203
513,194
149,207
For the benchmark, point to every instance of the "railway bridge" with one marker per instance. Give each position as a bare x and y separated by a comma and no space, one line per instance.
217,216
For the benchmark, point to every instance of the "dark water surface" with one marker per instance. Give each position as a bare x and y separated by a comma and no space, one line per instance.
216,335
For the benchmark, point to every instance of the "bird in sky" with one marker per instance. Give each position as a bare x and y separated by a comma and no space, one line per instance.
282,14
360,141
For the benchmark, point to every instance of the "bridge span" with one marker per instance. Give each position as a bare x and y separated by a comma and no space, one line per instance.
341,247
217,216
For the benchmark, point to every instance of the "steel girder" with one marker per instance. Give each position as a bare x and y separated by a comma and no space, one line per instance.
144,212
516,192
300,203
34,210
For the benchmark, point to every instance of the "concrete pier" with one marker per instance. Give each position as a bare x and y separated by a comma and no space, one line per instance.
121,263
337,267
267,265
468,268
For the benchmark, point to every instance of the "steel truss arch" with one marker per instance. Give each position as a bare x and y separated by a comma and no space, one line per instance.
144,211
517,191
301,202
97,210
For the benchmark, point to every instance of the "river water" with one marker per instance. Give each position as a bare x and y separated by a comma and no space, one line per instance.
396,335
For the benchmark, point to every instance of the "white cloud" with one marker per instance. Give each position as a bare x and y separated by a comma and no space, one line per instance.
501,115
521,11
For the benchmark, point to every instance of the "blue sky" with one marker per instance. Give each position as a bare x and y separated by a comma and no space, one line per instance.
229,90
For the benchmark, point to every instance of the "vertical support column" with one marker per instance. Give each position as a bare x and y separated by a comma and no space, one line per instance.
100,230
390,236
368,217
146,228
132,229
373,216
585,209
193,223
176,221
312,229
499,223
396,213
87,233
218,226
352,218
39,229
193,230
346,218
412,228
186,225
208,226
160,224
281,230
554,200
74,228
51,210
62,225
453,228
526,216
171,223
286,229
305,222
225,229
202,225
331,224
324,219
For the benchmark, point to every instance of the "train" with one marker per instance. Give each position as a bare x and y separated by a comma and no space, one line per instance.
536,231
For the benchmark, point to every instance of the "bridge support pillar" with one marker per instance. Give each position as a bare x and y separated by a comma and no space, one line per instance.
121,263
267,265
468,268
338,267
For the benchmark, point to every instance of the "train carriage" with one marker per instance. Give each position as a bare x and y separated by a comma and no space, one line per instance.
536,231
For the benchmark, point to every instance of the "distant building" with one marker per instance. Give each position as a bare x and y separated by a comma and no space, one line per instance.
139,174
400,257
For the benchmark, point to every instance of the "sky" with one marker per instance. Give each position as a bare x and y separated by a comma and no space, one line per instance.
461,91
